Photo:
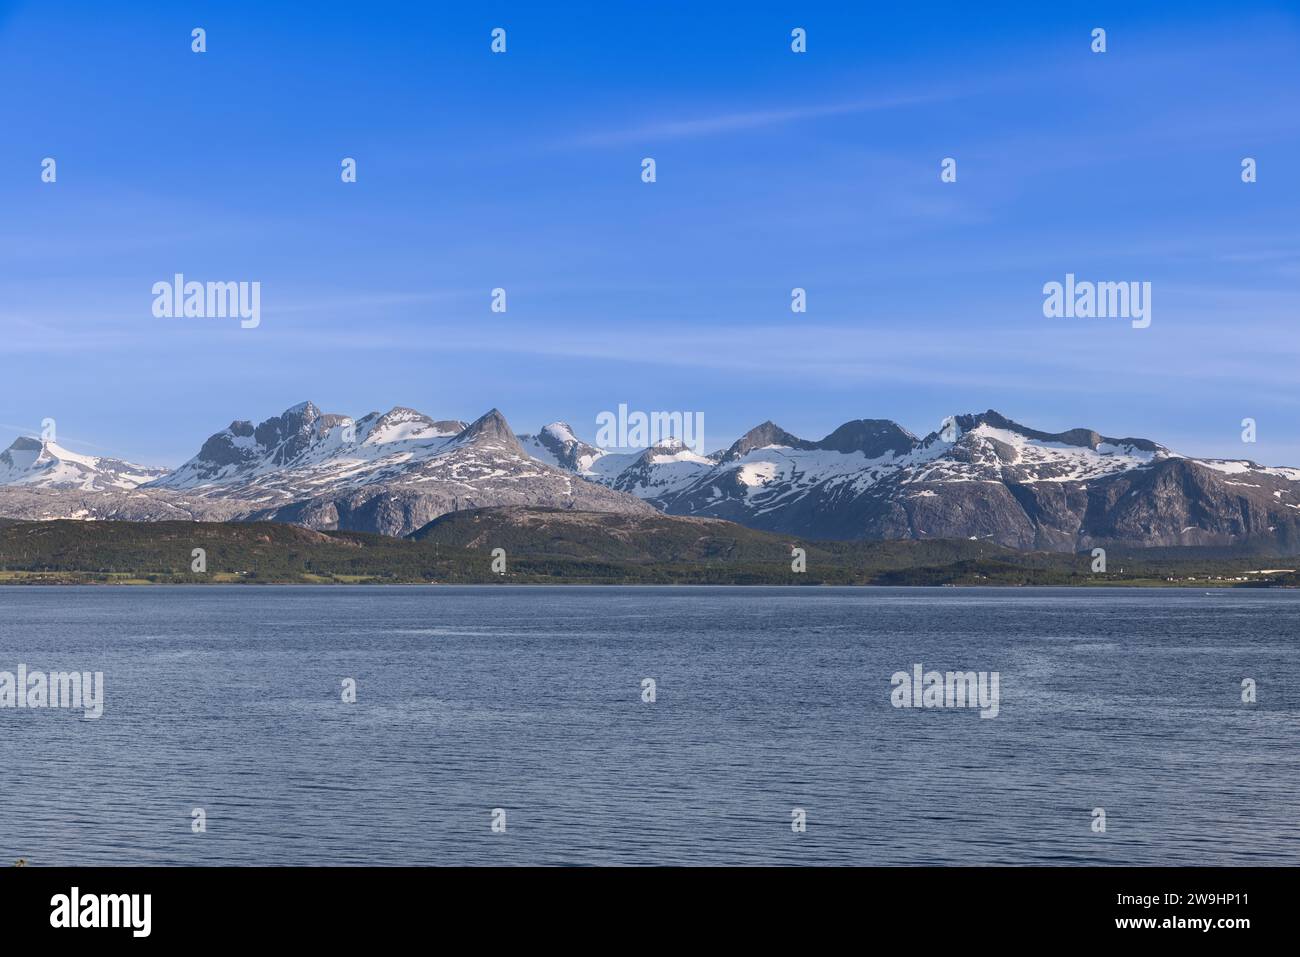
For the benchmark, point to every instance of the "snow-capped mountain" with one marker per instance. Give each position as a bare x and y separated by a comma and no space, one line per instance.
37,463
389,473
556,445
660,469
979,476
307,448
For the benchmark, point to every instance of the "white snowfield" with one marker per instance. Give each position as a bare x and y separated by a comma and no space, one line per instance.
305,454
324,451
769,476
1055,461
38,463
606,468
1242,467
660,469
389,473
772,476
556,445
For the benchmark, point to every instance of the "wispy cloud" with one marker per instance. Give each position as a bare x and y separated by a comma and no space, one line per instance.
736,121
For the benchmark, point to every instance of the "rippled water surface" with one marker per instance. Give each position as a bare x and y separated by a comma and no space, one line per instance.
529,699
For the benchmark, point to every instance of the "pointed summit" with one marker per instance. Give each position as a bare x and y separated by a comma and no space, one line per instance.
491,427
556,444
20,459
25,444
761,437
289,433
242,449
36,463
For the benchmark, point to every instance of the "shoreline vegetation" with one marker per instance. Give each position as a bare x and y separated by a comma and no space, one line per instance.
557,546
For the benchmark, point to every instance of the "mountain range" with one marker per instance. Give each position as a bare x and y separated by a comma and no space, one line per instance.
980,477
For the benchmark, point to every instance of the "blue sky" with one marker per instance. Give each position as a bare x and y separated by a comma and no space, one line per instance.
775,170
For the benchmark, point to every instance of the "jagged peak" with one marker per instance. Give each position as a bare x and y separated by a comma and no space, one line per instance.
26,444
761,436
490,426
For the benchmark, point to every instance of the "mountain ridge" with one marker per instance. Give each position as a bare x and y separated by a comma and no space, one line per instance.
43,463
980,476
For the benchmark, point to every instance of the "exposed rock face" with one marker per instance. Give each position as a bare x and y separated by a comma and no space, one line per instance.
556,444
137,505
981,477
389,473
874,438
761,437
661,467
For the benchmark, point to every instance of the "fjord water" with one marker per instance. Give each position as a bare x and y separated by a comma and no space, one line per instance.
529,699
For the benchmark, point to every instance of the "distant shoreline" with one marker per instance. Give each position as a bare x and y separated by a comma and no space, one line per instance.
552,547
38,582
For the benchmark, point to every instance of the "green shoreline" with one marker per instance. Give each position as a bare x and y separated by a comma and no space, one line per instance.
37,582
556,547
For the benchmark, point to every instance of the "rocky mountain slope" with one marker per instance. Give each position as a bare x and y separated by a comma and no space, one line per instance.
980,477
389,473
